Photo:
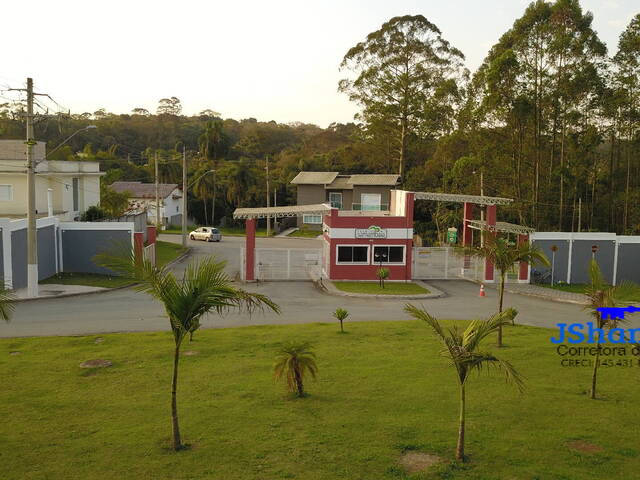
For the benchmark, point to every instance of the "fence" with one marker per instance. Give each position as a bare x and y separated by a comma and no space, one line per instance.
149,254
62,247
285,263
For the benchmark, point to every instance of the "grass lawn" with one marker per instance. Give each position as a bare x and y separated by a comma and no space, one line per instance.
229,231
580,288
373,288
165,252
305,233
382,390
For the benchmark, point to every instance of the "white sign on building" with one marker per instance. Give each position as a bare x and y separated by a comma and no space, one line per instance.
372,232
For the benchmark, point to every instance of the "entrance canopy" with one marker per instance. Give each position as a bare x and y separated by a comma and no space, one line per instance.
454,197
288,211
500,227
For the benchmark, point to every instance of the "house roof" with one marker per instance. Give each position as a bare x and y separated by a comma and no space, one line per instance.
314,178
333,180
144,190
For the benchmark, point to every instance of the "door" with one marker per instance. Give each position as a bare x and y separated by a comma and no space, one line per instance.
371,201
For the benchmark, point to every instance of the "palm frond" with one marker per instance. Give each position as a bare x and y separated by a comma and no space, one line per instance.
481,360
7,303
478,329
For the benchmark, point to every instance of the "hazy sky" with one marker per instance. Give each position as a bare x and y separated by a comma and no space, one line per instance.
274,60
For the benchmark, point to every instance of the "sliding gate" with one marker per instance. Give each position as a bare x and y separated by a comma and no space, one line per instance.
443,263
285,263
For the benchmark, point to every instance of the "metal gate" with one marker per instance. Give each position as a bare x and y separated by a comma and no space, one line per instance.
442,263
286,263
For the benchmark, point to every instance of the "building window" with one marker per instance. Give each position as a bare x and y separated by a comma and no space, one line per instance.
6,193
76,188
335,199
312,219
388,254
371,201
353,254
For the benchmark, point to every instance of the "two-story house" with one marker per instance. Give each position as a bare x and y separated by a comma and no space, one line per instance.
68,188
346,192
142,198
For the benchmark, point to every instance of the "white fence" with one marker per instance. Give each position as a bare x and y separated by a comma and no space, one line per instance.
149,254
285,263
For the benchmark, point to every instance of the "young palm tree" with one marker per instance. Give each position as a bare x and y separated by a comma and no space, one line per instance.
293,362
203,288
341,314
7,303
503,256
601,295
463,349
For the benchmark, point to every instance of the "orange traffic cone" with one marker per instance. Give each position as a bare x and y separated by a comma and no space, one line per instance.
482,294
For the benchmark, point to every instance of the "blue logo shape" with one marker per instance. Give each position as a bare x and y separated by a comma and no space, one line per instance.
617,312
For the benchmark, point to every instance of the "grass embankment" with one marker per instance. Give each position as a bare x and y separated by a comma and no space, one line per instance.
580,288
305,233
373,288
165,253
229,231
383,390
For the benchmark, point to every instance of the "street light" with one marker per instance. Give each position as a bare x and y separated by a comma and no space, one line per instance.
88,127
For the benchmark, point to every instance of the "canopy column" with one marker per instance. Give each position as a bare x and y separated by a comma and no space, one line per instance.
250,250
523,271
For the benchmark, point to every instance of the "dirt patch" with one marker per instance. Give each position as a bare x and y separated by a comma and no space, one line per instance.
98,340
584,447
15,353
96,363
190,353
414,462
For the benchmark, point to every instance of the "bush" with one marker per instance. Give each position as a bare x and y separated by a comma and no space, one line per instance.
93,214
382,274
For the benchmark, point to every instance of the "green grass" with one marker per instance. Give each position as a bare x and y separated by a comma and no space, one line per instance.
87,279
165,252
383,389
229,231
305,233
373,288
580,288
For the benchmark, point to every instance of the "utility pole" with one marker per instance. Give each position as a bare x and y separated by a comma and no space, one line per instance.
213,200
481,209
184,196
157,195
268,201
32,232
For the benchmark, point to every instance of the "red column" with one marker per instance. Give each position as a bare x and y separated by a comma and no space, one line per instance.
152,233
138,244
523,272
467,238
491,232
409,244
250,247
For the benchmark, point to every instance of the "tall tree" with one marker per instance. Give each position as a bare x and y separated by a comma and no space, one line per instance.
407,80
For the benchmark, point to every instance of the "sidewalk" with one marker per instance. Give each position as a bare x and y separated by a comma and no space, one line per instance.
51,290
542,292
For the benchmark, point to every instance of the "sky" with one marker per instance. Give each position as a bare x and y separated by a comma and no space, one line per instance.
276,60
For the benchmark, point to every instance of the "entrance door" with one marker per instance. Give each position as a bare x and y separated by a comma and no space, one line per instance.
371,201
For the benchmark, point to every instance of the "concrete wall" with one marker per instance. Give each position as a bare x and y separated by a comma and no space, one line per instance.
561,268
629,262
581,256
46,255
79,247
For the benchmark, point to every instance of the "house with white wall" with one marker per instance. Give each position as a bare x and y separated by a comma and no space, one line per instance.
142,198
70,186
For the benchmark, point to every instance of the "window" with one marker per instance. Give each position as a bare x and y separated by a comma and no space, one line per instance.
76,185
335,199
388,254
313,219
177,208
6,193
371,201
353,254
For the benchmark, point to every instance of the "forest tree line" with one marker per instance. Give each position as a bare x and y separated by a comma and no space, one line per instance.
550,118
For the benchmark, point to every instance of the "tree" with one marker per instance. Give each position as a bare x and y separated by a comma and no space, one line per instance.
93,214
601,295
382,274
113,203
503,256
463,349
203,288
407,75
341,314
169,106
293,362
140,111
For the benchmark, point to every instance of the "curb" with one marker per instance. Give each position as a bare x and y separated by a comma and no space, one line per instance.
328,287
534,295
103,289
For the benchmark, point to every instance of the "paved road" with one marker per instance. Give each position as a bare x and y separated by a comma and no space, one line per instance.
127,310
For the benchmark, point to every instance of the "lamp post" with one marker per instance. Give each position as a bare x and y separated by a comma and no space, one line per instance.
554,249
381,257
88,127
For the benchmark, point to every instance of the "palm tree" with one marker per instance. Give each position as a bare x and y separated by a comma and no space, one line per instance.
203,288
463,349
601,295
293,362
503,256
7,303
341,314
203,186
